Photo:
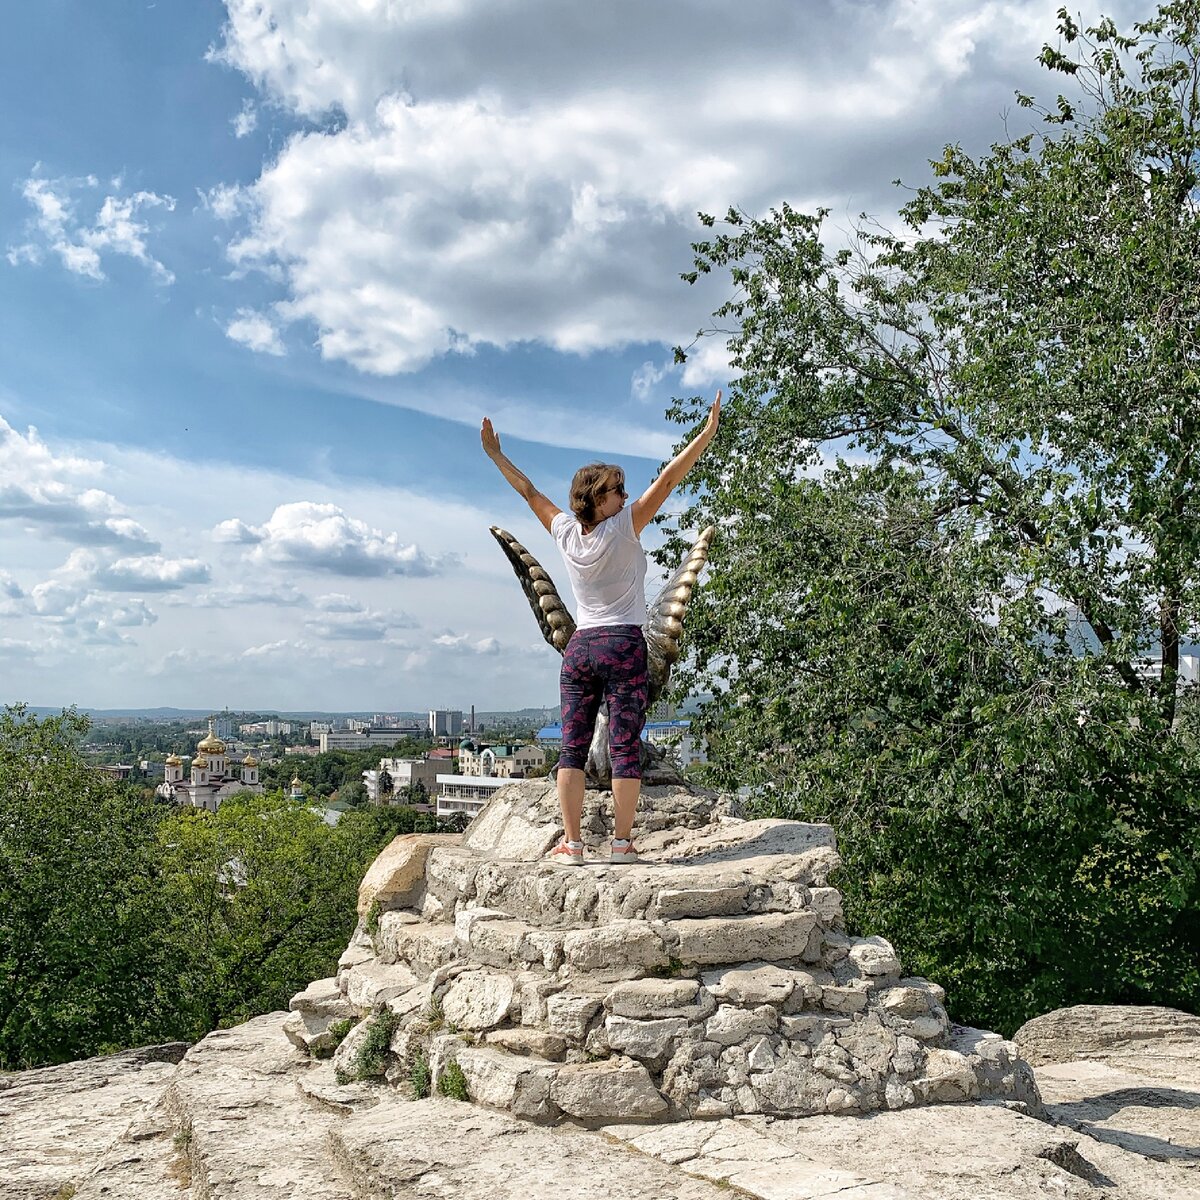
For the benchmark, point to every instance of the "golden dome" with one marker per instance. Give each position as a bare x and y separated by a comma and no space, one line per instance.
211,744
173,760
199,761
250,761
297,782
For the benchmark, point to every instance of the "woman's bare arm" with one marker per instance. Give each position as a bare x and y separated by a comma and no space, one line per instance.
646,507
543,508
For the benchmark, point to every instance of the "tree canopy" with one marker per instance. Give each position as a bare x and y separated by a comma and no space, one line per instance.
957,484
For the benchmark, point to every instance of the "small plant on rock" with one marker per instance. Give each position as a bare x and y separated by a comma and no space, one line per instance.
371,1058
324,1048
419,1077
453,1083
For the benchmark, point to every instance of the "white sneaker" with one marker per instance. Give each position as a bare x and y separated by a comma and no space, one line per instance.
622,852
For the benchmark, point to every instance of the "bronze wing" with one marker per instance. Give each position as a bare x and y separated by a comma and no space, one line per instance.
666,614
555,622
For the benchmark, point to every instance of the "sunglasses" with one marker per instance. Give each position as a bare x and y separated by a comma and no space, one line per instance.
620,490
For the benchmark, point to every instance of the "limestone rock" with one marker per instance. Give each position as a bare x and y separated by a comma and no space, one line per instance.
398,873
1094,1032
771,936
479,1000
646,998
373,983
754,983
606,1090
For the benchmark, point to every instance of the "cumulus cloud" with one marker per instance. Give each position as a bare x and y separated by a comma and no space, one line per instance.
503,174
45,490
322,537
150,573
256,331
339,602
117,227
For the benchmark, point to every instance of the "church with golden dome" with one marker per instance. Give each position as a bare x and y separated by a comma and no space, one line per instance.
210,779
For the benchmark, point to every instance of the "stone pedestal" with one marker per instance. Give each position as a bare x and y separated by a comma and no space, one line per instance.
714,978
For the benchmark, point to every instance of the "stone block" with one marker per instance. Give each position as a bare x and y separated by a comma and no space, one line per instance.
874,956
620,946
479,1000
717,940
810,1028
533,993
646,998
947,1077
373,983
869,1043
322,998
569,1013
465,919
826,902
731,1025
849,999
534,1043
644,1039
700,901
904,1002
397,875
450,875
608,1090
520,1085
754,983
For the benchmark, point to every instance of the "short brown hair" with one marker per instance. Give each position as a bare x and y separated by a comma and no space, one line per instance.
590,483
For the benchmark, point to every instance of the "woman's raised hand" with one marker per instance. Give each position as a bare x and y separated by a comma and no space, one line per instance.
489,438
714,416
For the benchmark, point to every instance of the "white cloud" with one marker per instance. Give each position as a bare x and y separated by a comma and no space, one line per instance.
256,331
504,174
225,201
246,121
43,489
465,644
645,379
240,594
116,229
322,537
150,573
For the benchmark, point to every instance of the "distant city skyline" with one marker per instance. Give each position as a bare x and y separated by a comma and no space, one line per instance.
267,265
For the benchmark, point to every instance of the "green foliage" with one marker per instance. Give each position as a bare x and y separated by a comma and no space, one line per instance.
452,1082
959,508
124,921
84,968
419,1076
372,1055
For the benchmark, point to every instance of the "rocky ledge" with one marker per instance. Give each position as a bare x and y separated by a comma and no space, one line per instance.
712,979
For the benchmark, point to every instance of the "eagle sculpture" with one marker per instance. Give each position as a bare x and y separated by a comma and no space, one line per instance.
662,631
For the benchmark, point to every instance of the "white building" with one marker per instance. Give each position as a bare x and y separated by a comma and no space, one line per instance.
445,722
404,772
508,761
362,739
210,778
465,793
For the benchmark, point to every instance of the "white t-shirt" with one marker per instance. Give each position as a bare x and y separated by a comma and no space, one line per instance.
607,568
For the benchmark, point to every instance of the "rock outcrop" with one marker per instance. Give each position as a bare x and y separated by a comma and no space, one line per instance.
649,1001
713,979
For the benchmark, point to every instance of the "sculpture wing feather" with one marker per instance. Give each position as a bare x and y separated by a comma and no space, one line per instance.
666,614
555,622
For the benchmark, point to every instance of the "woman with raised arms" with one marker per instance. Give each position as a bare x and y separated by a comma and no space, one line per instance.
605,660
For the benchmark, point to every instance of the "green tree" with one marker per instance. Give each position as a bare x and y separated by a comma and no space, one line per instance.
84,968
263,893
958,491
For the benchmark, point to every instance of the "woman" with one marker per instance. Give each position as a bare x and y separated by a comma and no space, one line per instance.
606,657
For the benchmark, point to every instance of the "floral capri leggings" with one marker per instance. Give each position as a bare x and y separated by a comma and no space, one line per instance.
605,662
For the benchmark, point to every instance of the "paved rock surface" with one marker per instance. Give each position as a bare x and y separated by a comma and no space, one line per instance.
248,1115
57,1122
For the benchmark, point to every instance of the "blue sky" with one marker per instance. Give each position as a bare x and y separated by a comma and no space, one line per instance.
266,264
